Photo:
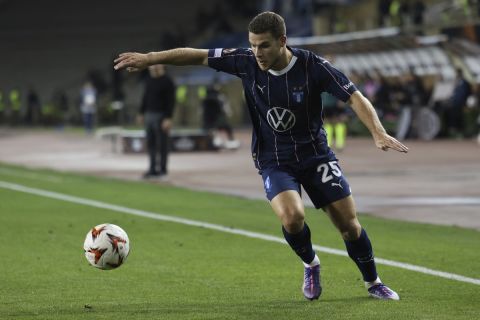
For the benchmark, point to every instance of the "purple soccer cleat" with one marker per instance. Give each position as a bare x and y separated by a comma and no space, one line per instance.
381,291
312,288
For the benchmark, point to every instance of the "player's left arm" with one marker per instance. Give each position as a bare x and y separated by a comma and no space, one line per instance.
367,114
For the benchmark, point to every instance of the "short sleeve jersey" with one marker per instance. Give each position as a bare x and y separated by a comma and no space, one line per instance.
285,106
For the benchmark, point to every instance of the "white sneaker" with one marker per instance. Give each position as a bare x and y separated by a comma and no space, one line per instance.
232,144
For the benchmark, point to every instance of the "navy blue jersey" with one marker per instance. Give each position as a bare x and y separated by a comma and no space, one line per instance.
285,106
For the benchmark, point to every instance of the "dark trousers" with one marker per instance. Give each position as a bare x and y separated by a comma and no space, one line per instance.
88,121
454,118
157,142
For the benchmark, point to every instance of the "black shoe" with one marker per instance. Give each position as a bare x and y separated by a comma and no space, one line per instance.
150,175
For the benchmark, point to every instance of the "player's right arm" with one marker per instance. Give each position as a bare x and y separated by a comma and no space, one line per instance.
134,61
367,114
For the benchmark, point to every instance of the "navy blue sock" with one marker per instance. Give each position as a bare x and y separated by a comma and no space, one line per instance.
361,252
301,243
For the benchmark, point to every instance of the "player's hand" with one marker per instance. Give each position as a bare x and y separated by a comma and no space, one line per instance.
386,142
166,124
132,61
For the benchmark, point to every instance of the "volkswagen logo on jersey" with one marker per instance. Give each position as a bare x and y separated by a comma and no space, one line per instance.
280,119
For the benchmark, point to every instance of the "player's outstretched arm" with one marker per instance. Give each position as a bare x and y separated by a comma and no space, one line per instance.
365,111
134,61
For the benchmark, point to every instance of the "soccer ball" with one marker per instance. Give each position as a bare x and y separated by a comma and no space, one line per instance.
106,246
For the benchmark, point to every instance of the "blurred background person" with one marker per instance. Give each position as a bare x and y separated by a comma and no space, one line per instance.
61,104
215,117
88,106
15,103
156,115
33,107
334,122
454,113
335,117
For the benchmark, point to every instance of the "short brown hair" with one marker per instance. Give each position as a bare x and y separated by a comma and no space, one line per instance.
268,22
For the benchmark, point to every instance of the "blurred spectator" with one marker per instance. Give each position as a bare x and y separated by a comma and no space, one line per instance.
15,106
405,14
181,98
384,13
156,114
440,99
334,121
411,96
382,97
397,97
215,116
117,83
458,100
336,113
395,12
118,96
33,107
371,86
88,105
417,12
412,91
422,94
61,105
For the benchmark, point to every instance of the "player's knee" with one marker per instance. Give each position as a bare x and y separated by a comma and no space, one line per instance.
351,231
293,219
293,226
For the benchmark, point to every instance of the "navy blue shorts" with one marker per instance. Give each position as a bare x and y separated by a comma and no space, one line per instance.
323,181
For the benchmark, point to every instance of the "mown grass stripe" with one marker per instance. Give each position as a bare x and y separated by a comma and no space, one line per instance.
246,233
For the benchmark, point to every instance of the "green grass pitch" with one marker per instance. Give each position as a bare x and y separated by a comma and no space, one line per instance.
176,271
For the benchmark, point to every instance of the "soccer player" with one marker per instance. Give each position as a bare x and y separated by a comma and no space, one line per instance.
289,146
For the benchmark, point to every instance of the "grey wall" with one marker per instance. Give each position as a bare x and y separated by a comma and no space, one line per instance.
52,43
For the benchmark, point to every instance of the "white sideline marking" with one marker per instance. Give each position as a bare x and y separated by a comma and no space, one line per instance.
246,233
